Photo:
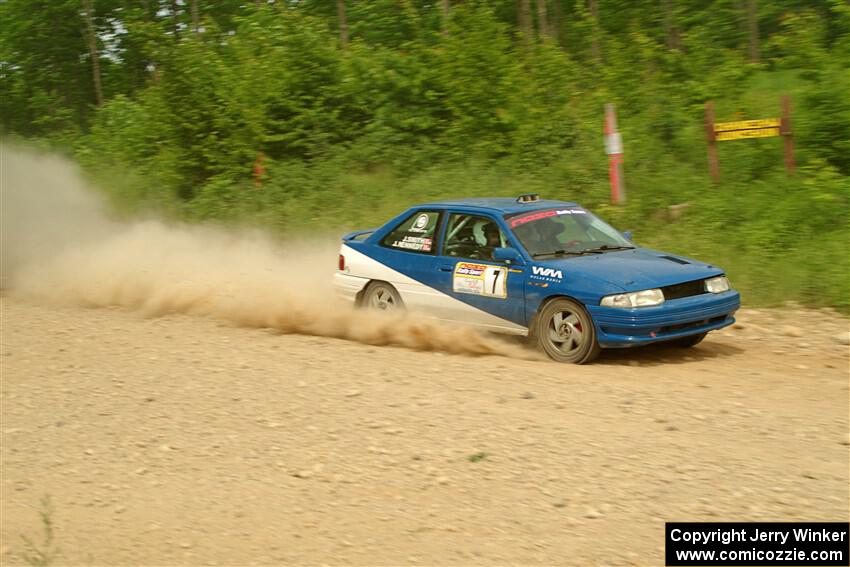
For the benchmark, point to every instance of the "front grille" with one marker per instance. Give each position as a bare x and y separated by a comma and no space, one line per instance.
686,289
691,325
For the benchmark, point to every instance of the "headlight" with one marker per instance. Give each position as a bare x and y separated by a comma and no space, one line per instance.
645,298
717,285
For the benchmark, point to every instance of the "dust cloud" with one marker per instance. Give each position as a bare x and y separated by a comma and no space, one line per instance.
59,245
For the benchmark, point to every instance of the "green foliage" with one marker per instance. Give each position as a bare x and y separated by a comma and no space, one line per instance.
421,105
779,238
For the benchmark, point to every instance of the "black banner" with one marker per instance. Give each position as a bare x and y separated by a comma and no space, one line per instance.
756,543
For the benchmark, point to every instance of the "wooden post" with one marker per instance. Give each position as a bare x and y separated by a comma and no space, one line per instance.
259,169
787,133
713,164
614,149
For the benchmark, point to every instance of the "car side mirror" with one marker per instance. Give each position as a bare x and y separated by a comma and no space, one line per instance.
627,234
507,255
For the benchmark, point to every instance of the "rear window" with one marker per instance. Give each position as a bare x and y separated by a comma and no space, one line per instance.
416,233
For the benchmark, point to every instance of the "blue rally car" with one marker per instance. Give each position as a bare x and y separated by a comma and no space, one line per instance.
549,269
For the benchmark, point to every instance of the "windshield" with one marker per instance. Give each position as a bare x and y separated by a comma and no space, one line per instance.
570,230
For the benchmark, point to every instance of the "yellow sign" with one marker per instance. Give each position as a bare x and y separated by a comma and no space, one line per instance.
742,134
747,125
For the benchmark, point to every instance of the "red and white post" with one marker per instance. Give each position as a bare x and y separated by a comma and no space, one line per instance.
614,149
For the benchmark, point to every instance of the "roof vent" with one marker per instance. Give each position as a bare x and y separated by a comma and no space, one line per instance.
528,198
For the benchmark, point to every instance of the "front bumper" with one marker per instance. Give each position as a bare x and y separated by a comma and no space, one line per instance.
673,319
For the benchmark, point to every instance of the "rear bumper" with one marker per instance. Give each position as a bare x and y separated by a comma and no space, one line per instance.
677,318
347,287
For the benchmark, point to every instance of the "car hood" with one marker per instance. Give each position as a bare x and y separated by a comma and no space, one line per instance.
634,270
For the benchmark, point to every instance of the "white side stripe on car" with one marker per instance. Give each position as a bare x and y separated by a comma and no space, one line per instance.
415,295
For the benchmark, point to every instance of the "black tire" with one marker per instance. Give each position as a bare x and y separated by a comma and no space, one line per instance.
381,296
565,332
688,342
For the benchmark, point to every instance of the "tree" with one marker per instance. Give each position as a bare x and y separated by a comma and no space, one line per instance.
593,5
542,19
175,19
753,27
196,24
342,22
91,39
671,29
526,26
46,82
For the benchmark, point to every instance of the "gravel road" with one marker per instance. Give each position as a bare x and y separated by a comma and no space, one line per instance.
180,440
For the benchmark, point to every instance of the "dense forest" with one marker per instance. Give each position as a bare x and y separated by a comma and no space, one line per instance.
323,115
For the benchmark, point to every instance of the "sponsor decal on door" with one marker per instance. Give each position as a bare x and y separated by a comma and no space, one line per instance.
548,274
480,279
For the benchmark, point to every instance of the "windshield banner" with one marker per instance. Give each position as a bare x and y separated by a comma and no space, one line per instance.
543,214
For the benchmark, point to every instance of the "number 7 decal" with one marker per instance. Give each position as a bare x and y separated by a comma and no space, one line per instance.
495,282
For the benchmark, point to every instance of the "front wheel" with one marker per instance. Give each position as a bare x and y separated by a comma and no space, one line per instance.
566,333
381,296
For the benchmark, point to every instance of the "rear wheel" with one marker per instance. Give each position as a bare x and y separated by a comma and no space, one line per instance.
688,342
565,332
381,296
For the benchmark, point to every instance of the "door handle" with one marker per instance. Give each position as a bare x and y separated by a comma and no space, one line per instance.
446,268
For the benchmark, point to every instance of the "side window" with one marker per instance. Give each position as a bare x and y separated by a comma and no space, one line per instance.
416,233
472,236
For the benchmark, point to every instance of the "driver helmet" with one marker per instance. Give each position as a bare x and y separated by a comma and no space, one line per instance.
479,232
547,228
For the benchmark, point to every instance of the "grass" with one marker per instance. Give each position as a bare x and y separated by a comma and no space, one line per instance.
45,553
780,238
